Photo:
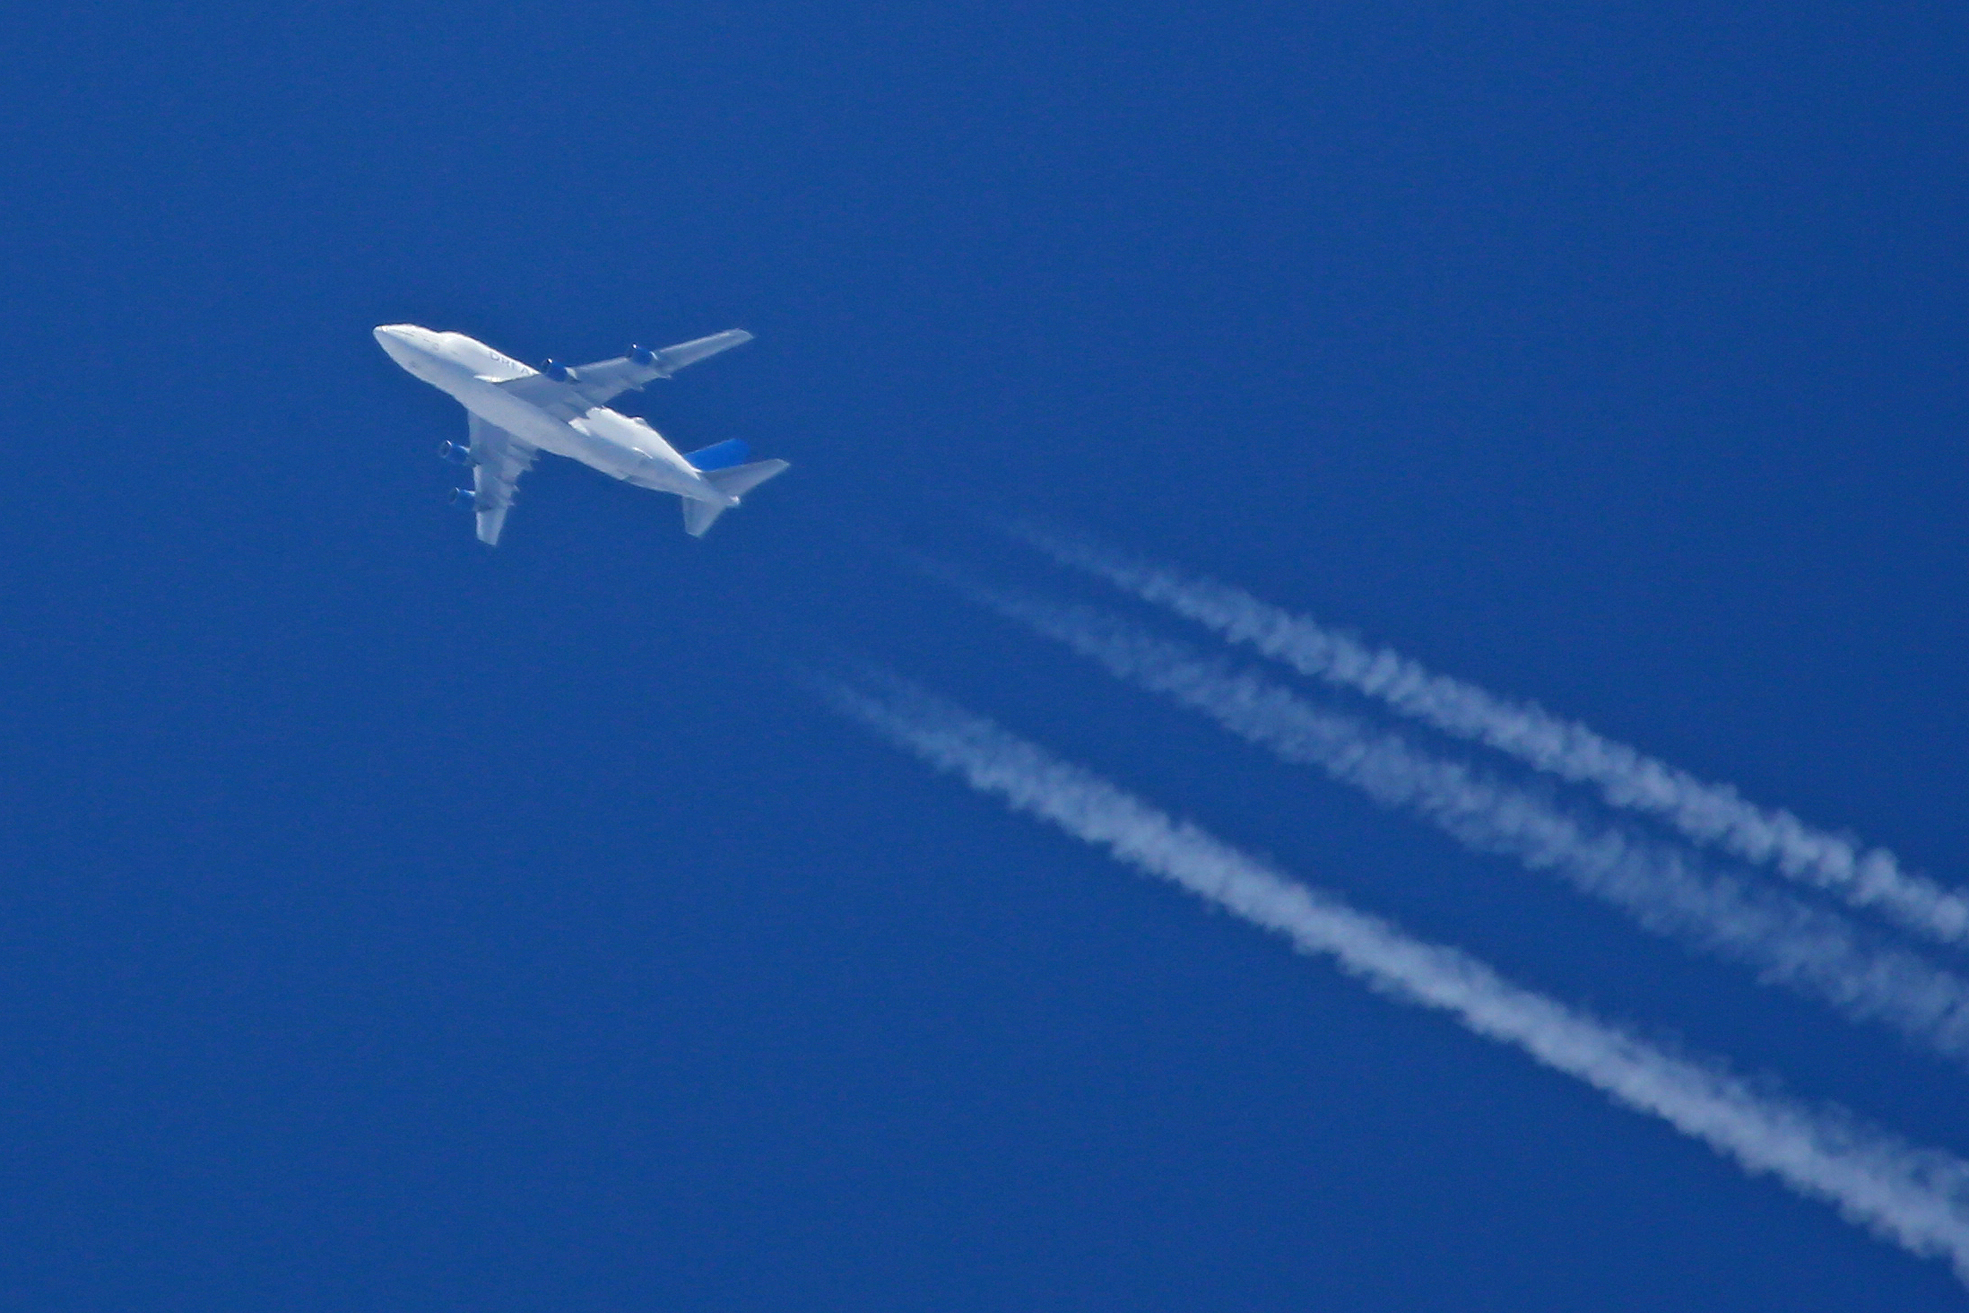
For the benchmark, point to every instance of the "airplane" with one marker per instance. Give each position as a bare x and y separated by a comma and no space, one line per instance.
516,412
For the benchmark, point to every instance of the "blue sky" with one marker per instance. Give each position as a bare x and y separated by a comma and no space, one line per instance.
390,924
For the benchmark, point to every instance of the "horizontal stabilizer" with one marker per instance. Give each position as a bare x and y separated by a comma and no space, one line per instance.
741,479
734,482
700,515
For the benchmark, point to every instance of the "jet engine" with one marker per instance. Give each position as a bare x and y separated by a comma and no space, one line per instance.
641,355
555,370
464,497
456,452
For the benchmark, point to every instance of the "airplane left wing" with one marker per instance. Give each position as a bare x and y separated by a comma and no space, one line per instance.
597,384
498,460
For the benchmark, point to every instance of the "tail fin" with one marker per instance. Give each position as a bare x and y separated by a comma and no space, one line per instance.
720,455
734,482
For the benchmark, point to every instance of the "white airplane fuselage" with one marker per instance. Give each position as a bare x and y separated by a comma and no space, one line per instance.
617,445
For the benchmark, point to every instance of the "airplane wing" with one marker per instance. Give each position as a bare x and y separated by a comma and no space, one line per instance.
597,384
498,460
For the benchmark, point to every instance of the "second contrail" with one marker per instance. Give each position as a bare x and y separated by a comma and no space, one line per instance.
1702,811
1812,950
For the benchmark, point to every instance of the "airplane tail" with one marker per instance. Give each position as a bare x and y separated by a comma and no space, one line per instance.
733,481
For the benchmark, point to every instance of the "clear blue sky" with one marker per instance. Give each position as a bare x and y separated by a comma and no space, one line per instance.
390,924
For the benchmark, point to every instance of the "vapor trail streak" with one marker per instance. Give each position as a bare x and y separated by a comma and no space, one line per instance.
1705,812
1813,951
1915,1197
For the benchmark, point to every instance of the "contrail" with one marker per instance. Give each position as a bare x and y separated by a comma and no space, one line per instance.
1813,951
1705,812
1917,1198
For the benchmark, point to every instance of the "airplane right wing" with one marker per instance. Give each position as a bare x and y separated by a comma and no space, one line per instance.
498,460
597,384
674,358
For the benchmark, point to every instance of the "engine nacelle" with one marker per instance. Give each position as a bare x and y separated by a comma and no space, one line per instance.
465,497
555,370
456,452
641,355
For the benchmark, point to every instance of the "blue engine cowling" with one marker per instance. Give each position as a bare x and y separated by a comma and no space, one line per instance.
456,452
464,497
641,355
555,370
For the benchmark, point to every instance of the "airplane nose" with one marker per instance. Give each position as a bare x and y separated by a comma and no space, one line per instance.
396,341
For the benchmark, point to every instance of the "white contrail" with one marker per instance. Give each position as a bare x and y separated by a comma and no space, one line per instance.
1706,812
1814,951
1915,1197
